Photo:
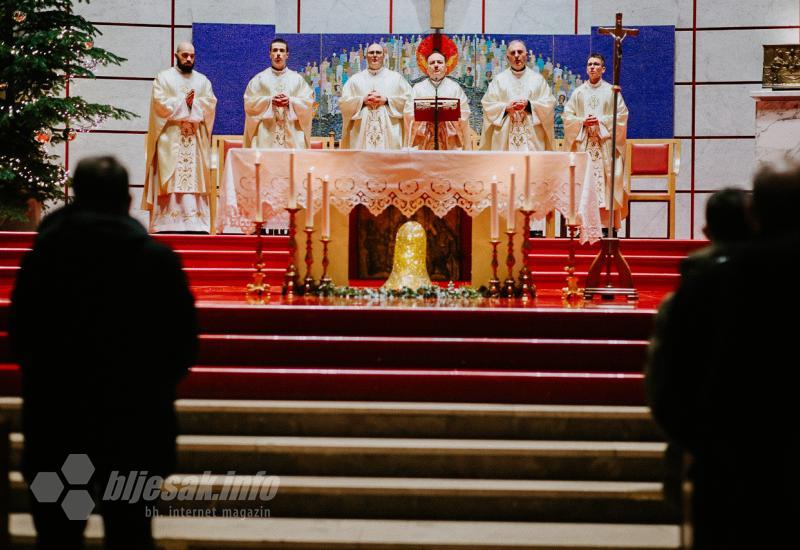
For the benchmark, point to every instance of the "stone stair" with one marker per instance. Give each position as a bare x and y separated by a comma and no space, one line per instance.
409,475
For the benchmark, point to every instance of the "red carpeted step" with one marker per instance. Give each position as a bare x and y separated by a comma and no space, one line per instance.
437,385
675,247
415,352
479,322
650,263
243,259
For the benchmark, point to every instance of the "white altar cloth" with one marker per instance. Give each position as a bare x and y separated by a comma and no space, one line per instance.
408,180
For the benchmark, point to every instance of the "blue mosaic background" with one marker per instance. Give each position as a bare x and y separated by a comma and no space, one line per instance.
230,55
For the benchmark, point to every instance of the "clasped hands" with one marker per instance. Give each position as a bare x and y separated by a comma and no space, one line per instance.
373,100
280,100
591,120
517,105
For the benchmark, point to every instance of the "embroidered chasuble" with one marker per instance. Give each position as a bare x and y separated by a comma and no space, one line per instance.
518,130
598,100
452,135
177,176
381,128
268,127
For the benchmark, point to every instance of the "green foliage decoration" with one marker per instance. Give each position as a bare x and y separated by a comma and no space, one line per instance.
44,46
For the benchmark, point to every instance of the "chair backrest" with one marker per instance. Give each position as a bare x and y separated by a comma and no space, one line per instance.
322,142
652,158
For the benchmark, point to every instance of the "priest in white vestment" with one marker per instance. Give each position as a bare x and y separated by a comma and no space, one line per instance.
177,176
373,105
588,124
278,105
518,107
453,135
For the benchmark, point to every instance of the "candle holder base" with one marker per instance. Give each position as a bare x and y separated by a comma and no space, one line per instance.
325,283
258,292
494,282
527,288
571,295
509,289
289,286
309,285
509,285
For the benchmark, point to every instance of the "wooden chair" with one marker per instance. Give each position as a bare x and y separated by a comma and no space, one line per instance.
653,158
220,145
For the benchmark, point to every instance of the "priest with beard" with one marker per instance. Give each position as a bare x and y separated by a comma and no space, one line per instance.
518,107
452,135
373,106
177,176
278,105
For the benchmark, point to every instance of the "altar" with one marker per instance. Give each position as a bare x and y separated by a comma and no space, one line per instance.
492,188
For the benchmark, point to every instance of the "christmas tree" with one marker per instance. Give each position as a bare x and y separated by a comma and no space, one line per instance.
43,45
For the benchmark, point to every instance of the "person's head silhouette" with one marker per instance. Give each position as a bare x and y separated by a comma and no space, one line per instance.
101,185
727,217
776,194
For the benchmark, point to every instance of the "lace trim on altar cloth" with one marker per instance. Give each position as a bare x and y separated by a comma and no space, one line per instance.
350,186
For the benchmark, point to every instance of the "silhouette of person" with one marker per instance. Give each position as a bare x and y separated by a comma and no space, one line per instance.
728,223
716,377
103,325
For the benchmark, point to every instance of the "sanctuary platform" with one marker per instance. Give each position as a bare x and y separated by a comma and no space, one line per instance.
405,424
487,350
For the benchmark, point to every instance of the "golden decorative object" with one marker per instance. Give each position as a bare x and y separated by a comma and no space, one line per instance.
781,66
409,267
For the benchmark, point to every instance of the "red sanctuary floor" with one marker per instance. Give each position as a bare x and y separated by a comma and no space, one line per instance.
501,351
545,299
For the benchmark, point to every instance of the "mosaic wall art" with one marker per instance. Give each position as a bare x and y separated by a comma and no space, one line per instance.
231,54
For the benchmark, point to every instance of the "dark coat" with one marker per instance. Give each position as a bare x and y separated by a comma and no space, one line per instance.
103,326
719,382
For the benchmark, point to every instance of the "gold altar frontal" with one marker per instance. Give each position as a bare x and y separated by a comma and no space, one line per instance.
339,248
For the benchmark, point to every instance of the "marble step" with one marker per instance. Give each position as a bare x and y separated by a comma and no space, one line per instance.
407,457
411,498
317,533
398,420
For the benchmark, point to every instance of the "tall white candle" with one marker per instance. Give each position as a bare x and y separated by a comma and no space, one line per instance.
571,220
292,188
512,211
528,182
259,212
309,202
326,209
495,221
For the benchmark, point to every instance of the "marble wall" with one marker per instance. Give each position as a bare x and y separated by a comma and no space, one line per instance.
717,65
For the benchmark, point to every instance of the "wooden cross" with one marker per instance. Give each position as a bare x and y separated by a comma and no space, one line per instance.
610,255
619,33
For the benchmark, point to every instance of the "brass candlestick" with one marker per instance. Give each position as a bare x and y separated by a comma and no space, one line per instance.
257,292
509,286
494,283
325,283
526,284
571,295
290,276
308,282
